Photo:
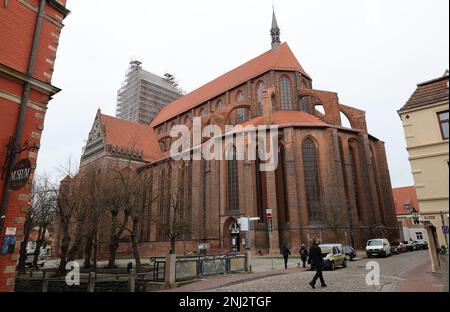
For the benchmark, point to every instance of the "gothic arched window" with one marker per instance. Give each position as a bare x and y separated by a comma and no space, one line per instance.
220,105
377,184
312,184
281,188
355,175
187,121
286,93
260,88
241,112
260,177
345,177
164,203
233,185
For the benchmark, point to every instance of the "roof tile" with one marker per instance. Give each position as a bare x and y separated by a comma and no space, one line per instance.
279,59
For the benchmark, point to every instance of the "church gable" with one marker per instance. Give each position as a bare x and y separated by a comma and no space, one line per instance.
96,141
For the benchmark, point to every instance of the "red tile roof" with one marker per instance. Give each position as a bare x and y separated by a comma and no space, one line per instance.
131,135
405,195
429,92
279,59
281,118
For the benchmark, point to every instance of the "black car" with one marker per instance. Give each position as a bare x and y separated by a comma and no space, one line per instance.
421,244
409,245
350,253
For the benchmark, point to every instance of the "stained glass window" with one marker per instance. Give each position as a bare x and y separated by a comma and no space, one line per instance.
312,185
286,93
353,160
233,187
261,87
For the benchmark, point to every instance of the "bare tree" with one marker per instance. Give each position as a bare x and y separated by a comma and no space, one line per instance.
175,222
69,216
26,232
44,209
92,198
115,203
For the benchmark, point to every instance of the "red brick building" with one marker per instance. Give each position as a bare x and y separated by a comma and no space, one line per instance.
332,182
407,208
29,37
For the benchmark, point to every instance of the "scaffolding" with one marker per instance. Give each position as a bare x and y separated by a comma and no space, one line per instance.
143,94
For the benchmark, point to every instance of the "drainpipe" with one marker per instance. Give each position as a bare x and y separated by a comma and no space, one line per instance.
23,109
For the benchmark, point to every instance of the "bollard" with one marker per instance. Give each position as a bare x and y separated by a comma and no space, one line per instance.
45,283
132,281
91,282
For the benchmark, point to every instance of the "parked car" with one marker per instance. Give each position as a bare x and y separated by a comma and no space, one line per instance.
30,258
378,247
409,245
350,253
333,256
421,244
398,247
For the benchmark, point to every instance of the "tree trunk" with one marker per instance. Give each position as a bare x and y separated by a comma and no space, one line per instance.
95,252
65,242
136,254
136,246
23,247
39,242
73,250
172,244
88,252
113,246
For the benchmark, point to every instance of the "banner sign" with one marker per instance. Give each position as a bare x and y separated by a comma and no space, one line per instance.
20,174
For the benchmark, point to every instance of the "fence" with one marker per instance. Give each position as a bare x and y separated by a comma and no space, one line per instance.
193,267
187,268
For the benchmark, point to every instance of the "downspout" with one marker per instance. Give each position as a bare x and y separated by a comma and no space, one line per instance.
22,112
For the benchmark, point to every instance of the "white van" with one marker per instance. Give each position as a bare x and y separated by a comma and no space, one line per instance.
378,247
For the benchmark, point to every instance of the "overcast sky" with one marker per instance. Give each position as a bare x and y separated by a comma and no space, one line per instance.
371,52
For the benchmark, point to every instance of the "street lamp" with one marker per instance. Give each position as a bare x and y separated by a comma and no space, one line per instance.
415,216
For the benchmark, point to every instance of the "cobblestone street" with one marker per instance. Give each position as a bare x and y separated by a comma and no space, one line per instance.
405,272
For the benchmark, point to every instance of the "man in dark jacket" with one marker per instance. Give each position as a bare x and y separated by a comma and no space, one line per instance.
286,253
315,255
303,255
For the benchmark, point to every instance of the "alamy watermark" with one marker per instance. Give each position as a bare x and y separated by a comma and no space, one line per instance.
73,276
249,142
373,277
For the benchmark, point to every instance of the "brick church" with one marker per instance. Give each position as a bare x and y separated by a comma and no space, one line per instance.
332,180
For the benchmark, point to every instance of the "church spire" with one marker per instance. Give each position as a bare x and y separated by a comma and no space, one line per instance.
275,32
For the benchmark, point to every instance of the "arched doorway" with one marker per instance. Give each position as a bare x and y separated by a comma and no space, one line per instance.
231,236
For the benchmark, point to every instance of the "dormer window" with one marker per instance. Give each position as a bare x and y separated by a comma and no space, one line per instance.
443,121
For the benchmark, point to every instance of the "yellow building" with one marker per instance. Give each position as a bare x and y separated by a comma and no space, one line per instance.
425,123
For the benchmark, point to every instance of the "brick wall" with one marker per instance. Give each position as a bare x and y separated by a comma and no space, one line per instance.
18,21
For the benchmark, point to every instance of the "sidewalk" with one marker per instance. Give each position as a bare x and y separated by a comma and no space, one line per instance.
421,279
228,280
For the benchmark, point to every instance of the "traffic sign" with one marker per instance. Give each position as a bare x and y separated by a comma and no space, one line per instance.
269,225
445,229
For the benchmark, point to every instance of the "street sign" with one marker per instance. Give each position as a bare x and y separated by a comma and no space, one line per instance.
269,211
254,219
11,231
244,224
445,229
20,174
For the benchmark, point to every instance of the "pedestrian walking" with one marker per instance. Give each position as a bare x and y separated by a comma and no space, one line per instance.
303,255
315,255
286,253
